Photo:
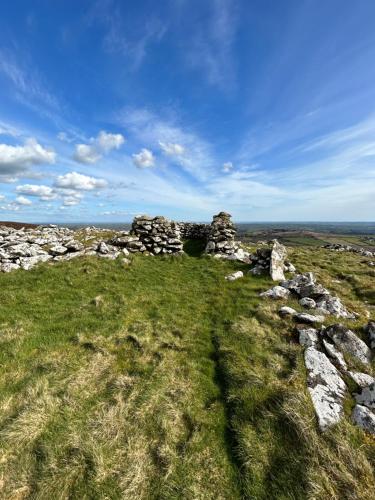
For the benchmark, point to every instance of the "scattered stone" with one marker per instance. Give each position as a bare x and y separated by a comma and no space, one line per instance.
347,341
326,387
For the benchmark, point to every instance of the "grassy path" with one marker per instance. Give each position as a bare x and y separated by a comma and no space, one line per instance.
161,381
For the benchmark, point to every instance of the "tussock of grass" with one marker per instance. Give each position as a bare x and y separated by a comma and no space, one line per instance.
162,380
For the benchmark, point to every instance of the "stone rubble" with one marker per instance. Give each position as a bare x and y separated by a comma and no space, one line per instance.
337,247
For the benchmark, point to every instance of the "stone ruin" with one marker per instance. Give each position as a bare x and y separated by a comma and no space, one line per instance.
157,235
220,239
271,259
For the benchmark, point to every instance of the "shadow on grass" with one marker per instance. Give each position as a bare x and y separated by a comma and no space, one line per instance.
194,248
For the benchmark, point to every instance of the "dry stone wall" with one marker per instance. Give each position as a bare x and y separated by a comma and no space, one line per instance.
221,235
157,235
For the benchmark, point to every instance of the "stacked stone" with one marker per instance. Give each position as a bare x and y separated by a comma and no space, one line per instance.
221,236
193,231
157,235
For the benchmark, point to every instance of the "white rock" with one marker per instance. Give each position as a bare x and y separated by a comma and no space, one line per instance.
364,418
367,396
7,267
362,379
308,318
326,387
278,255
234,276
277,292
58,250
287,311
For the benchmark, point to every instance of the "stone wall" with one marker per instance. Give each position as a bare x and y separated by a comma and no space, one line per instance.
157,234
194,231
221,235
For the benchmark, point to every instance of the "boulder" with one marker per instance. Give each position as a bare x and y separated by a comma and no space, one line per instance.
347,341
335,354
361,379
326,388
307,302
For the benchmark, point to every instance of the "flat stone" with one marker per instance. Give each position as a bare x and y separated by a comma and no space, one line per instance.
277,292
308,337
308,318
367,396
234,276
307,302
361,379
287,311
335,354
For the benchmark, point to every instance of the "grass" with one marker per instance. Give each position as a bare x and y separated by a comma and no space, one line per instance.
161,380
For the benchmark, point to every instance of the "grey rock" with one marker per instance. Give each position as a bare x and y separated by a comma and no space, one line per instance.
58,250
308,337
361,379
287,311
364,418
307,302
326,387
347,341
278,256
367,396
370,330
335,354
234,276
308,318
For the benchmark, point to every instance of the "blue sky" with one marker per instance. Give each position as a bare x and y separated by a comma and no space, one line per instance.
183,108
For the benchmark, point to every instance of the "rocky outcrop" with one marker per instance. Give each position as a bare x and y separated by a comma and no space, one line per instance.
338,247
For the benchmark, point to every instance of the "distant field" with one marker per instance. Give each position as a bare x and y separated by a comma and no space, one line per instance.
163,381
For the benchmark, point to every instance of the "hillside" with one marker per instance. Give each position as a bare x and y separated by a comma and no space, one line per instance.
156,378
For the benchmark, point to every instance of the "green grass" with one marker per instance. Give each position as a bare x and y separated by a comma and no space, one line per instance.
161,380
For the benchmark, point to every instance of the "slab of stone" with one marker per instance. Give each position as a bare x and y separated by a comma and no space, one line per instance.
309,318
277,292
347,341
367,396
364,418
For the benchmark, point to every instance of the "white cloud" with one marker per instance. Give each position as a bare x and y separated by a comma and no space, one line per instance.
21,200
45,193
144,159
86,154
227,167
74,180
64,137
14,159
107,141
71,201
2,197
102,144
10,207
172,149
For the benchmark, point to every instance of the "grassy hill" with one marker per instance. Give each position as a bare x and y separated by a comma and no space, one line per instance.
160,380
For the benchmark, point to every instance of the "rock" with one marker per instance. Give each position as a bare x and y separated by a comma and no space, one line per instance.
287,311
312,290
298,281
7,267
74,246
326,387
347,341
308,318
364,418
336,355
307,302
103,248
234,276
278,255
308,337
58,250
277,292
367,396
361,379
333,305
220,238
370,330
126,261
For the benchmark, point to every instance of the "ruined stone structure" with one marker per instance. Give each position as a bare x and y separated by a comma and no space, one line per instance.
221,235
158,234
